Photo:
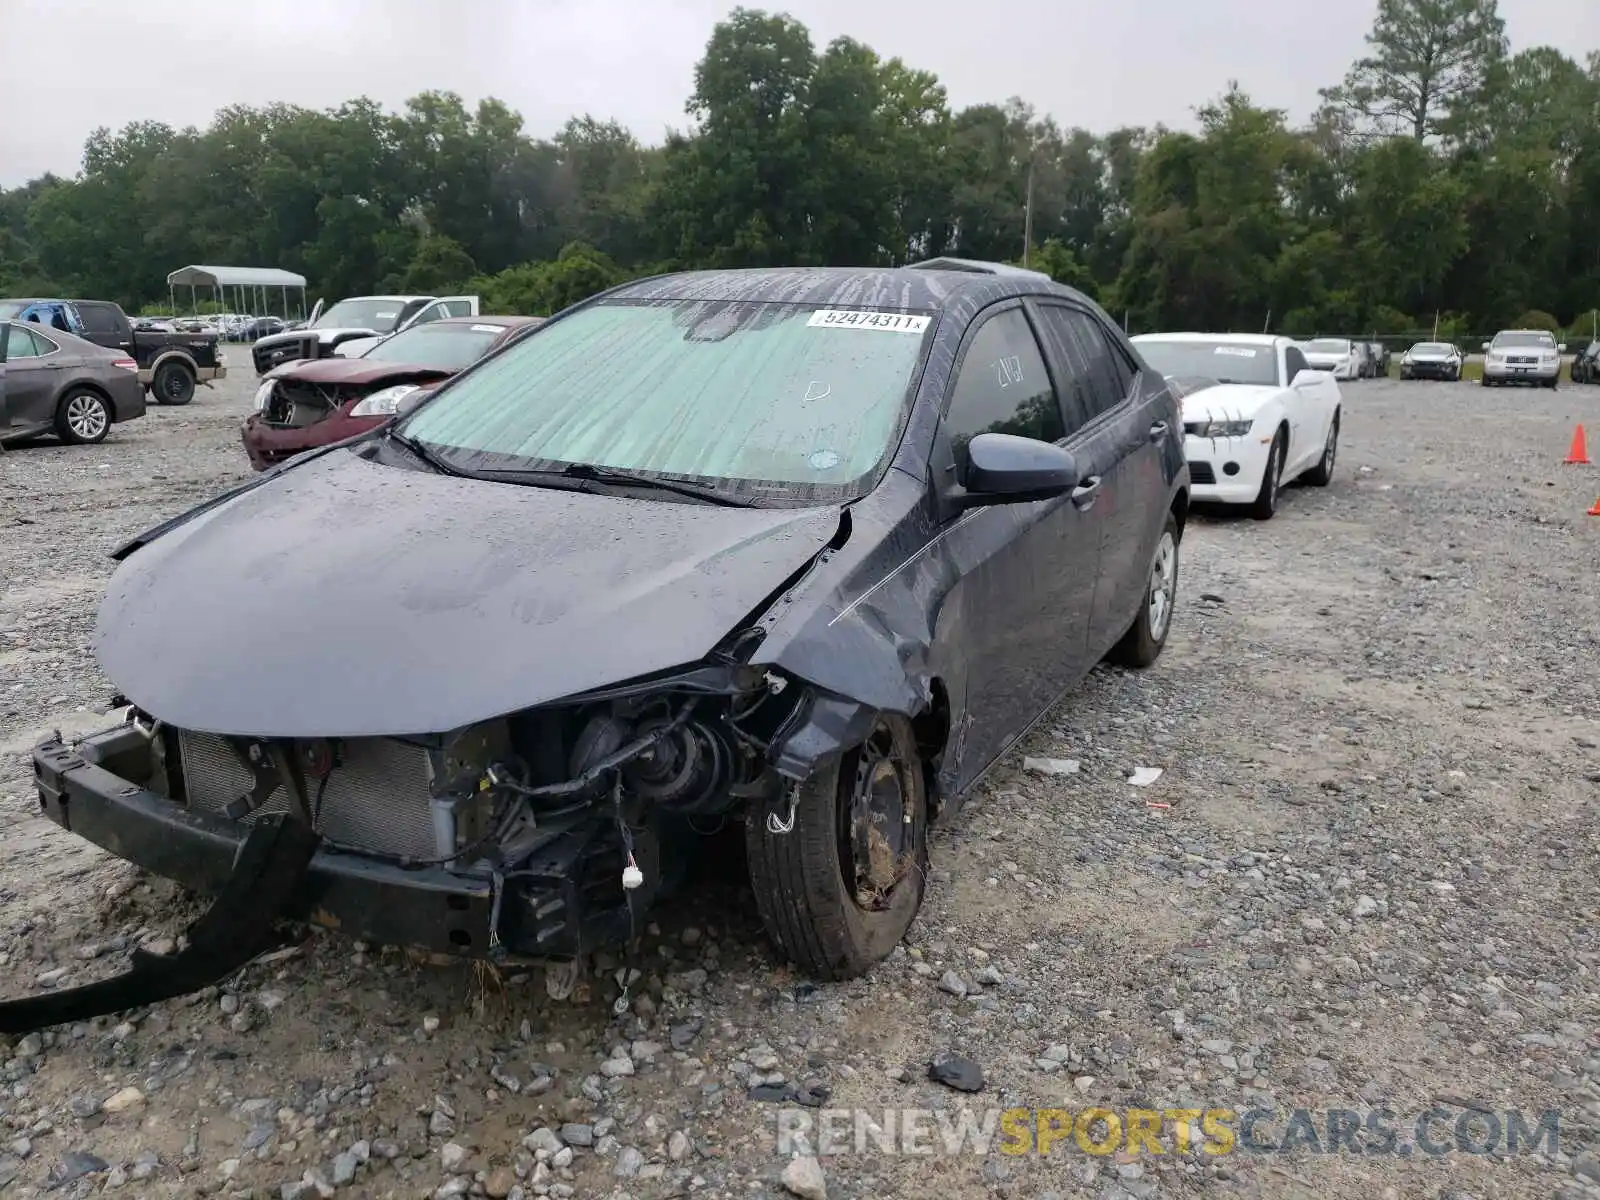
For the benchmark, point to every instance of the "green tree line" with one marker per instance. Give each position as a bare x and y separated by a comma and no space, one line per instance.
1444,175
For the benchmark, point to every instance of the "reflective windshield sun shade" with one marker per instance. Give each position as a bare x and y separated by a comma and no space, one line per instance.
777,393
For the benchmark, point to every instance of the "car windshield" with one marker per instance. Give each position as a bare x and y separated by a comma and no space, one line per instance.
1432,348
769,401
1224,361
448,347
1328,346
1523,339
380,315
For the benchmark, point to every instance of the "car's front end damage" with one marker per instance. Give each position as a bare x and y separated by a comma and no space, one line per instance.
543,834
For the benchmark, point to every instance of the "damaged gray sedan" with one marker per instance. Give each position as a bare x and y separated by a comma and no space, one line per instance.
806,549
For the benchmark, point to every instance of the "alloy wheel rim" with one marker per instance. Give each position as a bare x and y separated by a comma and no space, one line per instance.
86,417
1163,583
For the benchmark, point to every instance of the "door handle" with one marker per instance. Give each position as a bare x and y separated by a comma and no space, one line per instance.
1083,495
1158,431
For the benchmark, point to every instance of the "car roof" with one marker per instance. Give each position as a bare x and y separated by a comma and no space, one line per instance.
896,288
1248,339
1543,332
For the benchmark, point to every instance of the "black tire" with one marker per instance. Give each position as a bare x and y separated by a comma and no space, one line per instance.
1266,501
173,383
830,927
1321,475
1484,380
83,417
1141,645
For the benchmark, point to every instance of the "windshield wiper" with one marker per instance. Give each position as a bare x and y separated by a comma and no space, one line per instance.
428,455
629,479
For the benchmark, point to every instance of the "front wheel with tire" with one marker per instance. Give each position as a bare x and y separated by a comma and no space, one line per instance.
1321,475
1266,502
1141,645
83,418
173,383
839,863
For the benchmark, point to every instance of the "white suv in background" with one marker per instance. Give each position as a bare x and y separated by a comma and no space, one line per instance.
1522,356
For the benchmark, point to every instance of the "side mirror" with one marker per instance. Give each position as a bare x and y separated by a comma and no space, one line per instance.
1486,345
1003,468
1561,347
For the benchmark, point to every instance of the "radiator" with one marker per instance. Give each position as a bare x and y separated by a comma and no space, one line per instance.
376,799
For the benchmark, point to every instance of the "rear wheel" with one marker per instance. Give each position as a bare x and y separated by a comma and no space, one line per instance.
173,384
839,877
1141,645
83,418
1266,502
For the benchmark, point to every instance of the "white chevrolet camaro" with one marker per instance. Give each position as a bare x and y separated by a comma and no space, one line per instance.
1255,414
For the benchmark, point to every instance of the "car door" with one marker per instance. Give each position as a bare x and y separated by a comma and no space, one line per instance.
33,375
1024,595
104,325
1124,422
1308,409
448,306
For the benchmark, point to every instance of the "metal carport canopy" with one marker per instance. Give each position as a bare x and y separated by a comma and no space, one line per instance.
226,277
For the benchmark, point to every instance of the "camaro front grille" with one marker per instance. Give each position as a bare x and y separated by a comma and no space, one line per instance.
1201,472
376,797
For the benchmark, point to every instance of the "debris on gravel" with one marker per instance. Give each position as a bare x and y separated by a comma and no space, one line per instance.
1364,880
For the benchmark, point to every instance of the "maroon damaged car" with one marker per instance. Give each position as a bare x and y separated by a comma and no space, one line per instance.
313,402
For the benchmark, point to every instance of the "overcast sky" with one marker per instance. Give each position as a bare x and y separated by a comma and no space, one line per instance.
67,66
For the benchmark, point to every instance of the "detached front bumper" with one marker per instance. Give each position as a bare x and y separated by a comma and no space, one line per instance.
1226,470
268,445
447,911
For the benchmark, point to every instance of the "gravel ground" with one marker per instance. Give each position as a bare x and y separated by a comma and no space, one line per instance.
1375,887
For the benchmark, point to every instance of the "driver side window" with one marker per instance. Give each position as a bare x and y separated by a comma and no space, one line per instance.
1293,363
1002,387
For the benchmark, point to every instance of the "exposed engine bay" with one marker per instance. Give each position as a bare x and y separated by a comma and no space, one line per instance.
294,403
574,817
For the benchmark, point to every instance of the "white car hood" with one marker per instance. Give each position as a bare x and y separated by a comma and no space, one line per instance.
1323,359
1236,401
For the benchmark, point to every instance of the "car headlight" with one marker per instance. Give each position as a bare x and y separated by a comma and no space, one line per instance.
384,403
264,393
1223,429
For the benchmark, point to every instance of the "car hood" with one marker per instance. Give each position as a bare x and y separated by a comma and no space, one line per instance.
351,371
1430,356
1327,356
344,598
1222,401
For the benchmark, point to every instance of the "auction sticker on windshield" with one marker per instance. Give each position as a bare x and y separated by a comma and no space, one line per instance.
851,318
1236,351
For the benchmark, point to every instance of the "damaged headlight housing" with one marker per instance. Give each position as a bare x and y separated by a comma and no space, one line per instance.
384,403
1218,428
263,394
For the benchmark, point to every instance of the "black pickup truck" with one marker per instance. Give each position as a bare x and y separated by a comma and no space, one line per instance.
170,364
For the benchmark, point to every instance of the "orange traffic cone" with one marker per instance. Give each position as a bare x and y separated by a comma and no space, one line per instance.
1579,454
1595,511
